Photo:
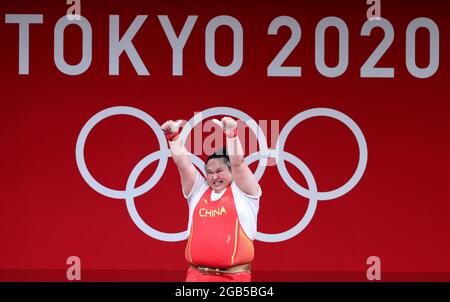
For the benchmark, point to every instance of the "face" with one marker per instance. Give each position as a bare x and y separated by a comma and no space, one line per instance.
218,175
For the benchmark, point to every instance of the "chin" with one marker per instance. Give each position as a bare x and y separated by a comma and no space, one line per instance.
219,188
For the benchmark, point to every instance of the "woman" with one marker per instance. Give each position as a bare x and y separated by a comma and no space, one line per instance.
223,208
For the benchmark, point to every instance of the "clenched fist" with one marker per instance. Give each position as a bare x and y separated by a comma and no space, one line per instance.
228,125
171,129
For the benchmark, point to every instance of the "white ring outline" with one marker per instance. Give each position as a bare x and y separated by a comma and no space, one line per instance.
81,141
129,193
312,204
131,207
259,133
362,145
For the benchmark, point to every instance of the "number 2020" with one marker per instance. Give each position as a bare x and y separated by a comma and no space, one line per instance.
368,69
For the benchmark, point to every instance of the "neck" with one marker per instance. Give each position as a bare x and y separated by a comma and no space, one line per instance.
218,191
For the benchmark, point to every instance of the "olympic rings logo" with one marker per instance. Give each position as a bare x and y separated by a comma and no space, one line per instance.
162,155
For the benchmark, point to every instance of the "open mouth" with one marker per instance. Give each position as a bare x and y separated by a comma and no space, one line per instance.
218,183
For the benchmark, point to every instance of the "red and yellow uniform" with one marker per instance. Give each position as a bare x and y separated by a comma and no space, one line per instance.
222,229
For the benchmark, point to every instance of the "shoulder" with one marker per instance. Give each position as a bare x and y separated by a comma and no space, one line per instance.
199,187
236,190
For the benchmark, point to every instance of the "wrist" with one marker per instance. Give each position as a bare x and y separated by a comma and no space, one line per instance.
172,136
232,133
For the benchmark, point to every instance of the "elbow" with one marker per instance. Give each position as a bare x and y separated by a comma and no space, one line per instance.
182,162
183,165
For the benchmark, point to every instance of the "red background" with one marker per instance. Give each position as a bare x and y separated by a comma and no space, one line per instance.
399,211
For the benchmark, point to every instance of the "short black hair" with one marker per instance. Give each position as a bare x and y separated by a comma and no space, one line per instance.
221,153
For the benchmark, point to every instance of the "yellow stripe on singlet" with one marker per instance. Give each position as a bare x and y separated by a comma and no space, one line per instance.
190,242
235,242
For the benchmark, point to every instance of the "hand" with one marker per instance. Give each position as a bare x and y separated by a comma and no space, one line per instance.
171,129
228,125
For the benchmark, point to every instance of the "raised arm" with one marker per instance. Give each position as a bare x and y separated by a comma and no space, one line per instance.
180,155
242,175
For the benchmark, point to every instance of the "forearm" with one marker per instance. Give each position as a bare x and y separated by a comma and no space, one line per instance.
242,174
180,155
235,151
